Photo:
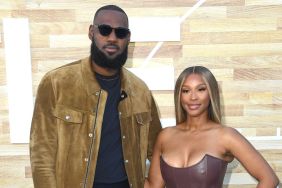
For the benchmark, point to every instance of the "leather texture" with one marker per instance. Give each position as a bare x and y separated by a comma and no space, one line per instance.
207,173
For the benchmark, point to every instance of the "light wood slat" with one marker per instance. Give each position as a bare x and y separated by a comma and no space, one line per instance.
28,172
249,131
231,98
164,99
59,54
14,150
254,11
87,15
279,24
4,100
7,167
57,28
39,41
258,74
233,24
253,121
275,164
271,155
12,182
220,74
154,62
206,12
2,63
262,2
74,41
45,15
223,74
45,66
201,12
266,132
167,111
3,80
231,37
262,110
233,110
250,98
261,98
223,3
1,32
65,4
227,50
4,13
231,62
134,3
167,50
3,118
252,86
277,98
7,5
5,136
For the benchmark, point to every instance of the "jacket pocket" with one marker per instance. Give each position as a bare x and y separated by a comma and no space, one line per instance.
68,124
143,118
68,115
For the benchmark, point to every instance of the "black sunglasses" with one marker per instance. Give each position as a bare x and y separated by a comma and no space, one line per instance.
106,30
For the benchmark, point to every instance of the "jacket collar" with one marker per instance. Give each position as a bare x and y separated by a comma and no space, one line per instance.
91,84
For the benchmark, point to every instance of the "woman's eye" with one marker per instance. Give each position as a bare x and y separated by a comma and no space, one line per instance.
185,90
202,89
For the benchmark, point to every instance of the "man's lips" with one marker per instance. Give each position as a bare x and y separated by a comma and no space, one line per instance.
111,48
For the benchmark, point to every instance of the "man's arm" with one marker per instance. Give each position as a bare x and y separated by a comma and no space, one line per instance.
43,137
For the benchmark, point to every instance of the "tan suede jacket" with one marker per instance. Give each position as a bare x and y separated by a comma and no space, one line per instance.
67,122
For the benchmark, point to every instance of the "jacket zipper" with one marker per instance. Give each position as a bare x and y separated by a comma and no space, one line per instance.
92,142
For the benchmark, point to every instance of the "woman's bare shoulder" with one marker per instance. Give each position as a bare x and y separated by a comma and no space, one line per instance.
167,132
230,135
229,131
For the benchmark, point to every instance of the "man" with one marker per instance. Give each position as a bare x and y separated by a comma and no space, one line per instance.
94,122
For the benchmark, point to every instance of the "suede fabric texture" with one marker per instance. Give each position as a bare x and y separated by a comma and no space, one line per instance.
67,122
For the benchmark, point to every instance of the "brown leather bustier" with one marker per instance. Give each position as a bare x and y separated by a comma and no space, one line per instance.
207,173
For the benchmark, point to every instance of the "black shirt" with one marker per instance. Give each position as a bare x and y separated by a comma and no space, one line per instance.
110,163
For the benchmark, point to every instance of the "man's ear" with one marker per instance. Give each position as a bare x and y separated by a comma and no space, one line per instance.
91,32
128,38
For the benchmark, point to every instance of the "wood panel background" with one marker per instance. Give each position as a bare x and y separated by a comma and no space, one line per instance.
239,40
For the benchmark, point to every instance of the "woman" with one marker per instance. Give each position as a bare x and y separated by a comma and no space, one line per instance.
195,152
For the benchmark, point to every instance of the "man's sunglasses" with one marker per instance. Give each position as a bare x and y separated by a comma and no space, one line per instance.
106,30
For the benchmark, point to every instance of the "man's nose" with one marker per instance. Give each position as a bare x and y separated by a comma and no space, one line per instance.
112,36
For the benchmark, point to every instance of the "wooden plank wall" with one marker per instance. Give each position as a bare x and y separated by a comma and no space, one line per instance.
239,40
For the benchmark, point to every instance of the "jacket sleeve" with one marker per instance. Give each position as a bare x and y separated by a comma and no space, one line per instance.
154,128
43,137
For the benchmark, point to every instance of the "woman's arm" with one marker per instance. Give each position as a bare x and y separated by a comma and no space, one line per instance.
250,158
155,179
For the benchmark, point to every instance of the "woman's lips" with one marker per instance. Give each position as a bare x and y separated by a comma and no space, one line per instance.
193,106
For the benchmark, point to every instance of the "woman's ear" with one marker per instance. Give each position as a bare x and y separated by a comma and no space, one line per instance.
90,32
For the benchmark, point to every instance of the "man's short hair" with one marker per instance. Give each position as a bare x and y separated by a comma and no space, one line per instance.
110,7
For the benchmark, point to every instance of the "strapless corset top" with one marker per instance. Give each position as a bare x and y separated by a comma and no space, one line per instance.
207,173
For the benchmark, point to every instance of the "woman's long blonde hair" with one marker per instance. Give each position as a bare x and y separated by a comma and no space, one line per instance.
214,111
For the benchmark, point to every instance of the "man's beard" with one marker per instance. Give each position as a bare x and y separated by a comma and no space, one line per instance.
100,58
